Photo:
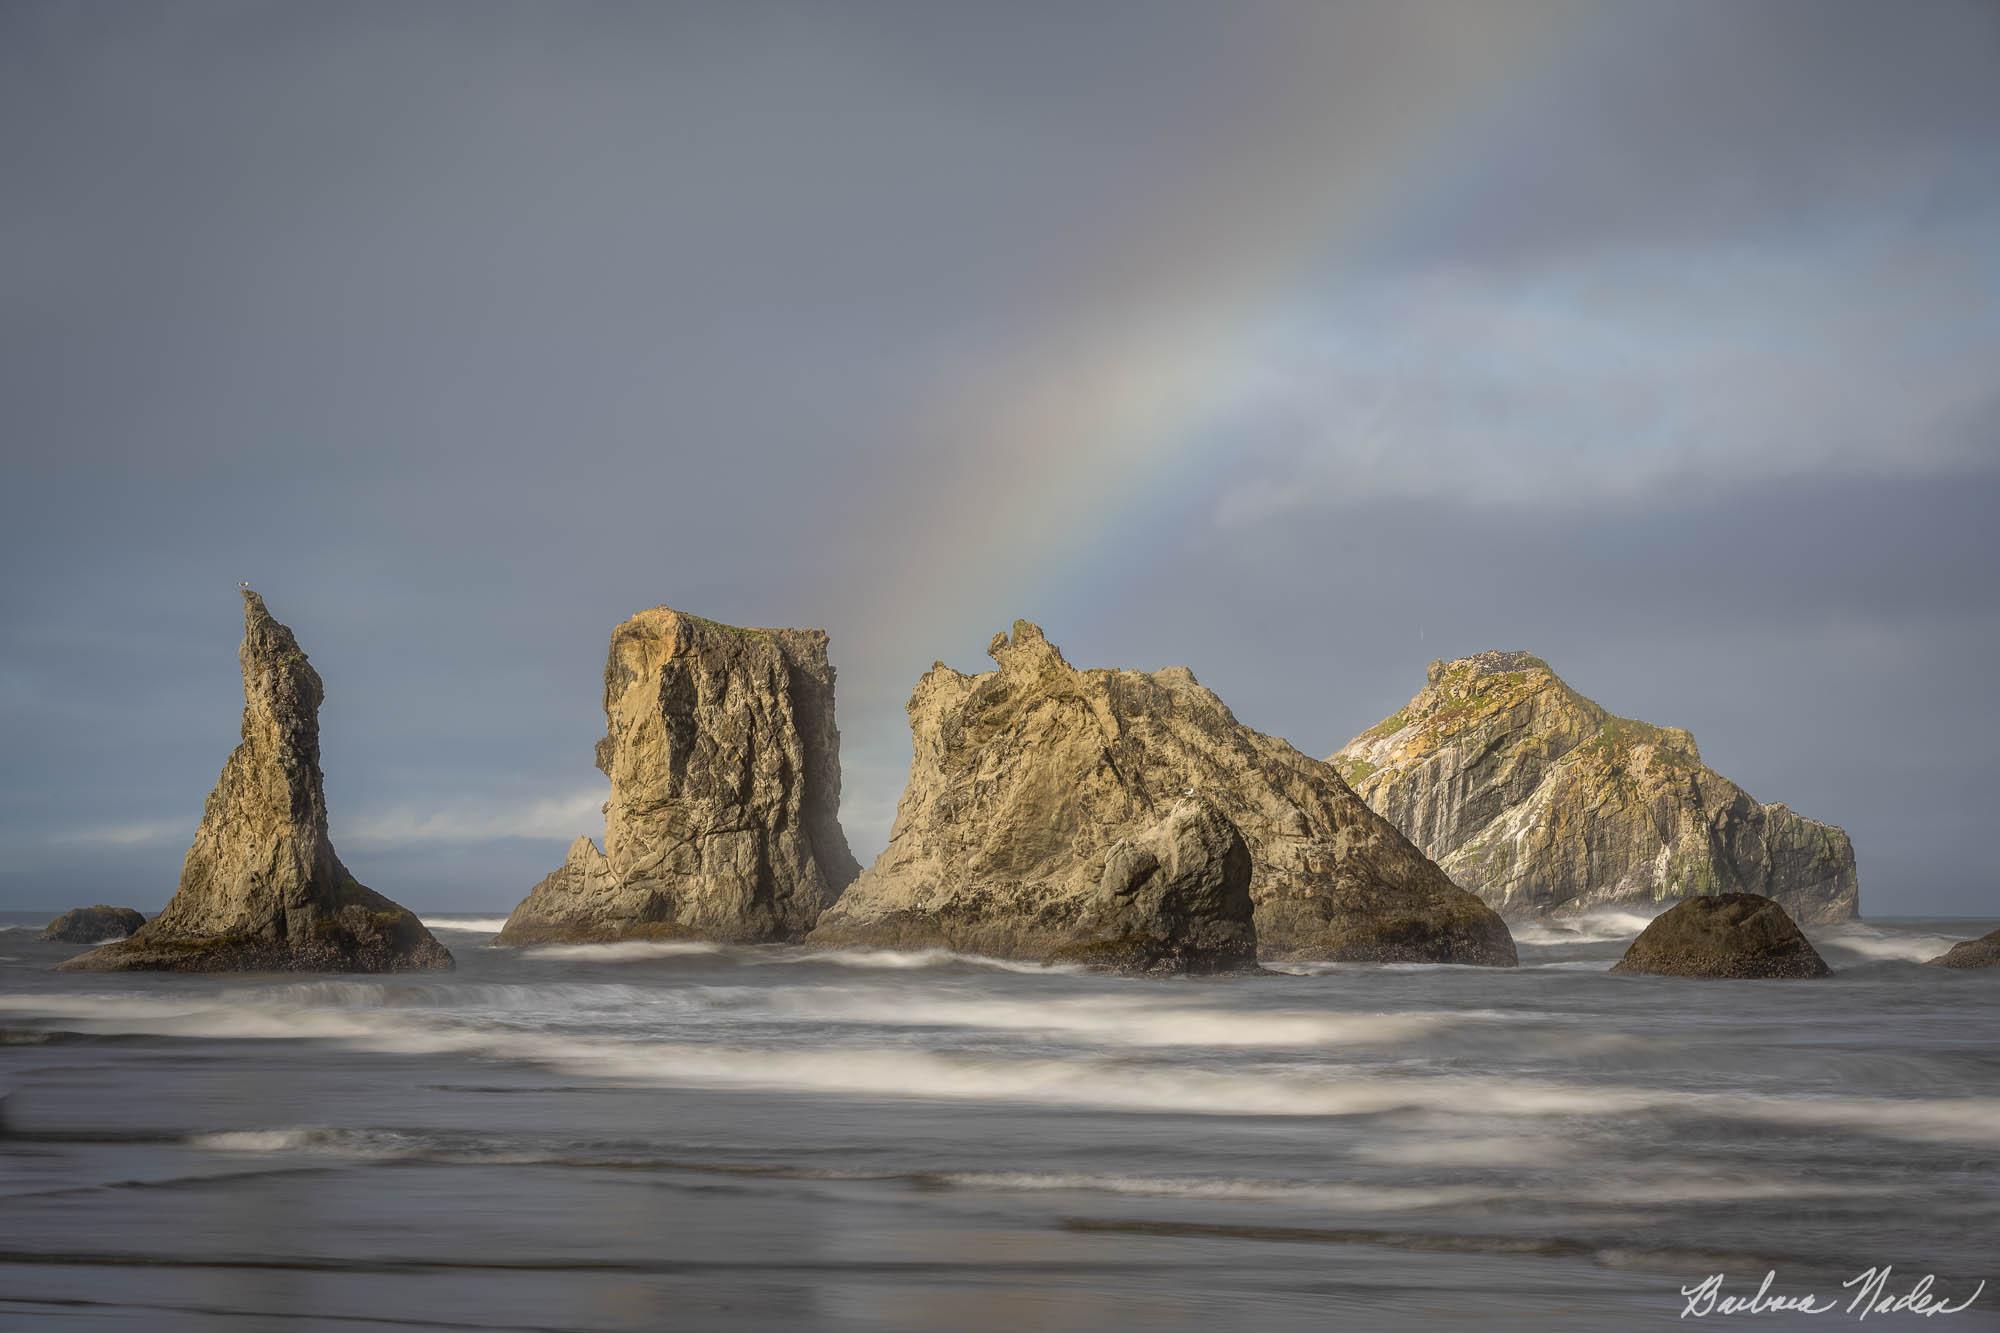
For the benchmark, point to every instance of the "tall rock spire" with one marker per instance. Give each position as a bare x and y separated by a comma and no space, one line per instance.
261,888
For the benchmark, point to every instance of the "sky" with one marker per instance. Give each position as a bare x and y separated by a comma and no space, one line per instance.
1296,343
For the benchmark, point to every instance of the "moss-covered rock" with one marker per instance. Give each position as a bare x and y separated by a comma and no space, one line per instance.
1731,935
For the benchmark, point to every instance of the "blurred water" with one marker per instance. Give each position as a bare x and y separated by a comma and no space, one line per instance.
645,1136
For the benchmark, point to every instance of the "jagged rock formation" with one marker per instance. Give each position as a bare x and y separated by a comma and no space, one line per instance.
93,925
1023,779
1540,801
723,821
1982,952
1741,935
261,889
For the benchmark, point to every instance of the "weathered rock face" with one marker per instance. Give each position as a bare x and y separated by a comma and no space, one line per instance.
1742,935
1982,952
1540,801
1174,898
723,821
261,888
92,925
1023,779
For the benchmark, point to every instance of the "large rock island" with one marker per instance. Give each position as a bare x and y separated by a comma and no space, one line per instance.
723,822
1028,784
1541,801
261,889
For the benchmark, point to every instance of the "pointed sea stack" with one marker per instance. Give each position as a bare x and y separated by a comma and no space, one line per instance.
1731,935
1024,781
723,822
1540,801
261,889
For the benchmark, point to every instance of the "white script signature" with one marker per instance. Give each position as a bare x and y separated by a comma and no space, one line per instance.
1871,1296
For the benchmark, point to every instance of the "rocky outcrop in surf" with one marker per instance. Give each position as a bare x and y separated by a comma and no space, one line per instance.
261,889
723,822
93,925
1027,782
1541,801
1738,935
1982,952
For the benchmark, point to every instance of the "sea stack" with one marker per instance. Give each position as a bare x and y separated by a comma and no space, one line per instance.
1732,935
723,822
1982,952
1031,784
261,889
1540,801
93,925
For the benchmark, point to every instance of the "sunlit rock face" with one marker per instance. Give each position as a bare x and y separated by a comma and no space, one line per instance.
723,822
261,888
1540,801
1025,779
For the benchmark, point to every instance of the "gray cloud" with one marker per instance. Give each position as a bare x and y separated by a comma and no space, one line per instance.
1297,343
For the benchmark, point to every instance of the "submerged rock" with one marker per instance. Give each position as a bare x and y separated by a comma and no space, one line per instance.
1540,801
1024,780
723,822
261,888
93,925
1742,935
1982,952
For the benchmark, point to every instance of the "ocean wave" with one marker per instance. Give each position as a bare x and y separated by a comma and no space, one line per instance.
902,960
1102,1082
625,951
1587,928
1873,943
485,925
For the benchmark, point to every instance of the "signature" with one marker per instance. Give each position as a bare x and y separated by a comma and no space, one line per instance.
1872,1295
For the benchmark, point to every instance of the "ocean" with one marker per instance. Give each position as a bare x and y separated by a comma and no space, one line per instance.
669,1136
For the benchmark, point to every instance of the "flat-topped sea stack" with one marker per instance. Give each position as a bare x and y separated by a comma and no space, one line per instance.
261,889
1028,783
723,822
1727,935
1540,801
1982,952
93,925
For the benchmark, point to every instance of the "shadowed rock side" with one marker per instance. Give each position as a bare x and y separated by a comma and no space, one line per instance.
1175,898
1023,779
1741,935
261,889
723,822
1540,801
1982,952
93,925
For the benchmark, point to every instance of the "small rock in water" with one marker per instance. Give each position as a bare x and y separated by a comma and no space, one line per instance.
1742,935
93,925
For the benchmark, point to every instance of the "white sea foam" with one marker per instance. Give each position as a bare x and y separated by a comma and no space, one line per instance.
625,951
1587,928
1362,1198
902,960
485,925
1874,943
